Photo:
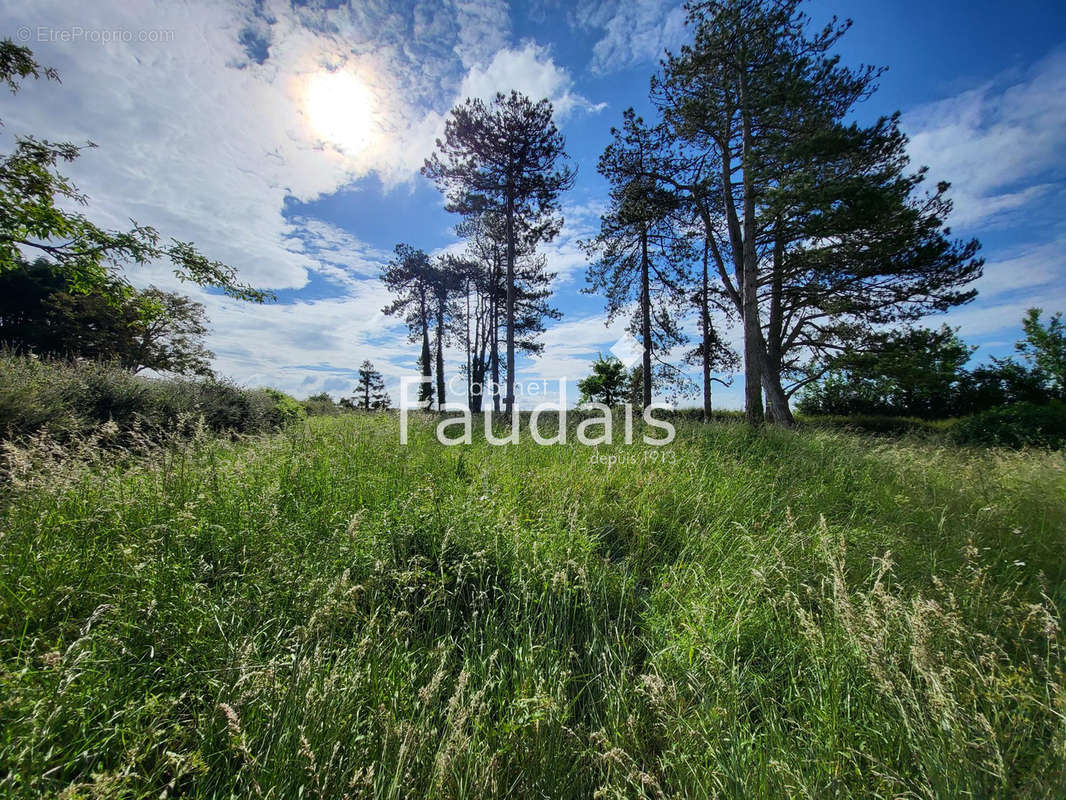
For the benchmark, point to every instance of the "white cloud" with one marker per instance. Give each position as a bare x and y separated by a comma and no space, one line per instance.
484,28
634,31
302,346
337,254
201,140
564,254
1025,268
1000,144
196,138
1019,279
531,70
205,135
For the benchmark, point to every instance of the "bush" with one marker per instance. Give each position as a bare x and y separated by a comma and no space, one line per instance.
321,405
877,424
283,409
33,396
71,399
1017,425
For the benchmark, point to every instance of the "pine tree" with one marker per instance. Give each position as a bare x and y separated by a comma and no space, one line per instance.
482,275
411,277
503,159
813,223
632,253
370,392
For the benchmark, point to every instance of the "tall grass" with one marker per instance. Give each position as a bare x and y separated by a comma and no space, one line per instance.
325,613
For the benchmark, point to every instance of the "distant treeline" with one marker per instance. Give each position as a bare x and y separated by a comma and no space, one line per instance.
922,373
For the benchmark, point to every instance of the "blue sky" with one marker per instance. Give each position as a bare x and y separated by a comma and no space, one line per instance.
208,126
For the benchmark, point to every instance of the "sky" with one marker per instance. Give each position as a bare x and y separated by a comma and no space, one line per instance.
285,138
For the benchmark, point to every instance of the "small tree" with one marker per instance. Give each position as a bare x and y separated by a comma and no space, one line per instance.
607,384
320,405
165,333
370,392
1044,347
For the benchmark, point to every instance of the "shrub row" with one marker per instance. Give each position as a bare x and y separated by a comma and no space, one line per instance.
1016,426
69,399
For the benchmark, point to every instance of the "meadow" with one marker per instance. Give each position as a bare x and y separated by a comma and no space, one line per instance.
324,613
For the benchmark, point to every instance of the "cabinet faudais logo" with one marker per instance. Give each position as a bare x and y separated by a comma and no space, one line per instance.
597,426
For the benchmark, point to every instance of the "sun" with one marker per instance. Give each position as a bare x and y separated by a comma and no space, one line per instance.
340,109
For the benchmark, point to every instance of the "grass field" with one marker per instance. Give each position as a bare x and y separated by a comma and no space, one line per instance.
325,614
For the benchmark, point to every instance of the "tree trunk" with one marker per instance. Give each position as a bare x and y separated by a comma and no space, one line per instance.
777,410
480,358
705,324
425,391
440,355
509,399
469,376
753,358
494,354
645,317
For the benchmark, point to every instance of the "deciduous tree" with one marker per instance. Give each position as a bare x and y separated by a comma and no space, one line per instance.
607,383
1044,347
41,311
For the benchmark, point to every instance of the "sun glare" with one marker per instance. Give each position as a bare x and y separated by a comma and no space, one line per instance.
339,107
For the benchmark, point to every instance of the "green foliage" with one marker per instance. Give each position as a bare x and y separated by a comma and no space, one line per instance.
42,312
506,156
881,425
67,400
819,228
633,258
320,405
370,393
1044,347
325,613
916,372
1017,425
284,409
501,165
920,373
634,388
1000,383
608,383
36,198
412,278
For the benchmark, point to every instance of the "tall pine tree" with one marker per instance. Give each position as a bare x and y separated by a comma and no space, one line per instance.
814,225
631,256
411,277
504,158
